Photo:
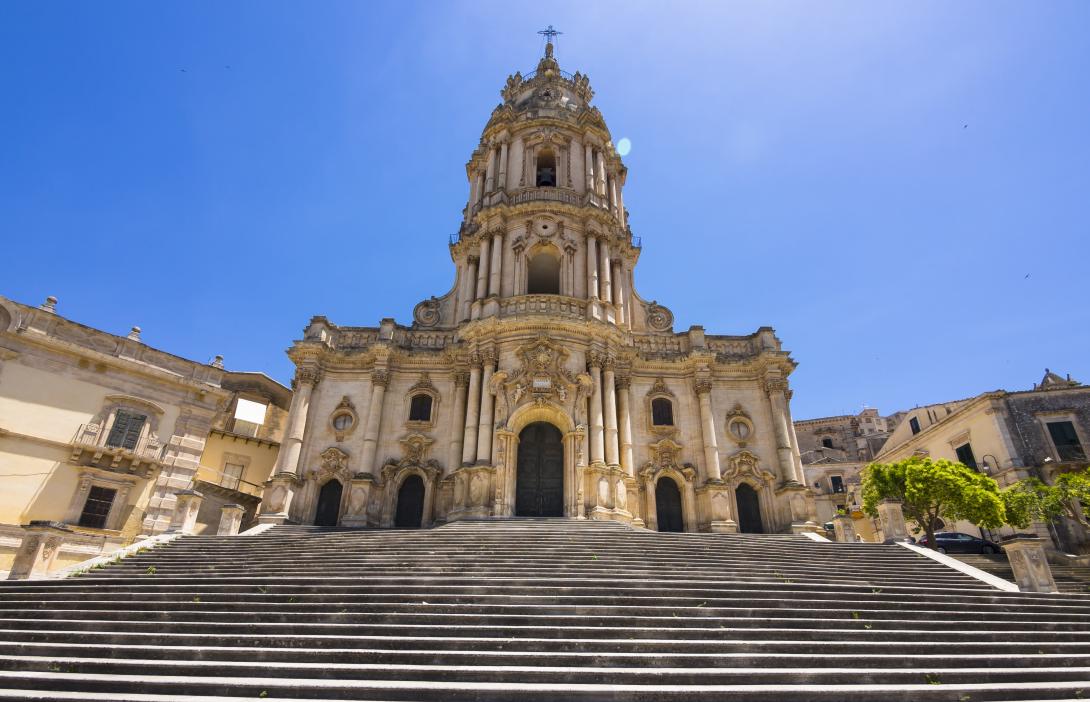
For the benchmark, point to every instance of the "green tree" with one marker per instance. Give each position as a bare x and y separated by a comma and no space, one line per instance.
933,490
1031,499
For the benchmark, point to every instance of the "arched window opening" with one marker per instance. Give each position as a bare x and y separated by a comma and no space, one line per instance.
662,412
546,169
827,443
420,408
544,275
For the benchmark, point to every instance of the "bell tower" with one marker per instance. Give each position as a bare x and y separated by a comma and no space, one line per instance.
545,213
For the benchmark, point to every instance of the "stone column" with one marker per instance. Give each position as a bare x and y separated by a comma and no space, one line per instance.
589,169
600,174
703,388
230,520
480,188
624,406
469,285
473,413
42,541
457,428
497,258
380,378
287,461
592,267
597,439
784,452
613,195
472,191
186,507
618,291
482,270
892,521
486,427
502,185
1029,563
609,401
490,172
604,265
620,208
844,526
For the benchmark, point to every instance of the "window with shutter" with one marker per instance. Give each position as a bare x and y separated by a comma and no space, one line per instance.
662,412
97,507
1066,441
420,408
125,432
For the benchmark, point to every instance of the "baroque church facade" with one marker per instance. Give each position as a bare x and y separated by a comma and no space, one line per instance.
541,383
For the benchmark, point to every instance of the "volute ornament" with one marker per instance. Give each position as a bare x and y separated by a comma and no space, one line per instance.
426,313
658,317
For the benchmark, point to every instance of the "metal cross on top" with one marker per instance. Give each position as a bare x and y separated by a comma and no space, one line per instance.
549,33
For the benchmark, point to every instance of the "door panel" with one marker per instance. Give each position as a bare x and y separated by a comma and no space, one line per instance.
539,480
668,505
329,504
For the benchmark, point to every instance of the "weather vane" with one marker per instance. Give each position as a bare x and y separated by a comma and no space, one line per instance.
549,33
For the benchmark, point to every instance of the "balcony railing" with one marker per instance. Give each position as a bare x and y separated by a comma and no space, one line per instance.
552,305
230,482
89,436
548,194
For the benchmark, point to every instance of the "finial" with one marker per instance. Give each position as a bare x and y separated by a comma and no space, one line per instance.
134,334
50,304
217,362
550,35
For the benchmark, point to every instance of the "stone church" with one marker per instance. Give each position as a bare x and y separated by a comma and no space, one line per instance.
541,383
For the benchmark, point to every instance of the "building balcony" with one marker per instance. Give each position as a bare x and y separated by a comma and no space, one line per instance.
89,448
546,194
228,485
545,305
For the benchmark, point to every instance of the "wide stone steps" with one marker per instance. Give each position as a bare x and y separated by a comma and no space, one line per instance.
1069,579
535,610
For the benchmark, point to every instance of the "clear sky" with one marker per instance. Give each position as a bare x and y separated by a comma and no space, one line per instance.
900,189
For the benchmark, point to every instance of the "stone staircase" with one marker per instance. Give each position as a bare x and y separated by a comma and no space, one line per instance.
535,611
1069,578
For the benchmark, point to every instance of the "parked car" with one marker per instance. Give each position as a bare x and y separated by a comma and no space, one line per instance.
957,542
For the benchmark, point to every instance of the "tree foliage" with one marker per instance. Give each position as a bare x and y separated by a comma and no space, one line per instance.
1031,499
933,490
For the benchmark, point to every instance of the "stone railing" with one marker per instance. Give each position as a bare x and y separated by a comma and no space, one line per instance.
732,347
667,345
356,339
424,339
569,197
551,305
89,437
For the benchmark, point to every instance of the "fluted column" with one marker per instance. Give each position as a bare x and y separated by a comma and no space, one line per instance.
486,425
589,169
503,167
473,412
619,291
703,388
490,173
592,267
609,402
482,270
613,195
775,389
606,277
287,461
597,438
468,286
600,174
380,377
624,408
497,263
457,428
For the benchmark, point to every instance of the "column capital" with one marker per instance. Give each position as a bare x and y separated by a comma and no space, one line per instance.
473,260
623,381
775,385
702,386
596,359
609,362
380,377
461,378
306,374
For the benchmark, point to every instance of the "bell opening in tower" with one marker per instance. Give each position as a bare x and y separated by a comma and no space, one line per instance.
546,169
544,275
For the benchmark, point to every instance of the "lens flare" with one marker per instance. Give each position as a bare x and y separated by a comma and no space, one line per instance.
624,145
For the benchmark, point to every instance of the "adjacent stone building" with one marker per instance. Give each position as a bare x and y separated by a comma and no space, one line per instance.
1009,435
99,432
541,383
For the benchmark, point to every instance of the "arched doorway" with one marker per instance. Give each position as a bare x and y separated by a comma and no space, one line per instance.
668,505
410,503
749,510
539,480
329,504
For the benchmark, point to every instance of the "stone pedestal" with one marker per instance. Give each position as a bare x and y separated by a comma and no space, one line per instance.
719,504
892,521
1029,563
276,499
41,543
801,502
844,526
230,520
184,519
359,497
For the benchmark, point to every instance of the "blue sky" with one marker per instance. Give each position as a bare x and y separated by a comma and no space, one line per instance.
900,189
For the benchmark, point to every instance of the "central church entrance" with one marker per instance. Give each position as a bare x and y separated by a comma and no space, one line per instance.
329,504
749,510
539,480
